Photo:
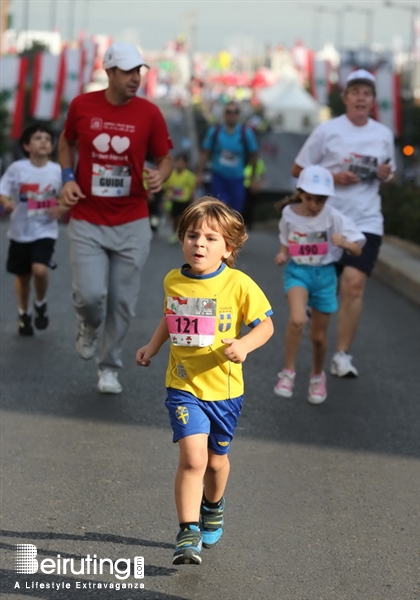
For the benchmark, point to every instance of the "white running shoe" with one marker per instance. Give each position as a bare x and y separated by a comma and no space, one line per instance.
86,341
108,382
285,383
341,365
317,391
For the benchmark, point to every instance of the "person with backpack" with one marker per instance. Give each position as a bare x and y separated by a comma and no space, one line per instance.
230,147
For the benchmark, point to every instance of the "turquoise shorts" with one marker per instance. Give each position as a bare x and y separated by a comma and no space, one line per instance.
217,418
320,283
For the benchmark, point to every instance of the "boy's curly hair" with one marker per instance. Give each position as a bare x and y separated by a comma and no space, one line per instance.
220,217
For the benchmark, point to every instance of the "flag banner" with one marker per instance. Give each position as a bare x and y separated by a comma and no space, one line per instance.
14,70
151,83
320,81
102,44
89,50
343,72
73,79
388,107
47,86
302,58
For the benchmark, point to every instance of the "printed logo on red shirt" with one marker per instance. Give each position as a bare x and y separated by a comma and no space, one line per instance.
119,144
96,123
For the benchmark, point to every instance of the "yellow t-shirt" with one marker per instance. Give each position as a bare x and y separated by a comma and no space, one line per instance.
200,311
259,172
180,186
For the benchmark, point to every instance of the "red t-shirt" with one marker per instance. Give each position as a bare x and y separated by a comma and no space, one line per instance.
113,141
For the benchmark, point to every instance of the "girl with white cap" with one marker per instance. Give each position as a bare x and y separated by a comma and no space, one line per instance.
359,153
313,235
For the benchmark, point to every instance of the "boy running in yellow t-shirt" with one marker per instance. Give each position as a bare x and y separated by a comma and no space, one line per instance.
206,303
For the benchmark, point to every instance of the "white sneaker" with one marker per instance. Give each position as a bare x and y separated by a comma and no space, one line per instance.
285,383
86,341
317,391
108,382
341,365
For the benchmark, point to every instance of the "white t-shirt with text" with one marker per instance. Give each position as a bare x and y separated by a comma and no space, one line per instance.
33,190
338,145
309,238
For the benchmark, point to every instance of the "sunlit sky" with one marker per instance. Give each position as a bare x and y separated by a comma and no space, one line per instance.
245,25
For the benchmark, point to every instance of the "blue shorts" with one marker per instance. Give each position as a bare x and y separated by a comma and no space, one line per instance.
217,419
230,191
320,283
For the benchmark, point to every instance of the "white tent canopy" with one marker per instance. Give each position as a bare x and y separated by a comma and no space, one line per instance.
289,107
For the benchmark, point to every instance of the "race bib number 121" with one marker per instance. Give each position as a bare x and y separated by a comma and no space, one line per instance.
191,321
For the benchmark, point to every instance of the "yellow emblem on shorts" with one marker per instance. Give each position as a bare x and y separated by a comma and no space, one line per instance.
223,443
182,414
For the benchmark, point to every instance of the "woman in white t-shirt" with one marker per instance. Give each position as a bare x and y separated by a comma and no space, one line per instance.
359,152
313,236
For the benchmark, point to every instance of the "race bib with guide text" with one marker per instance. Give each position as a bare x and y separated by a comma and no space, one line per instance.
111,181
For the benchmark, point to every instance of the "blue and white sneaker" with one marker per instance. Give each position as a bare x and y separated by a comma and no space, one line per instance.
211,524
188,546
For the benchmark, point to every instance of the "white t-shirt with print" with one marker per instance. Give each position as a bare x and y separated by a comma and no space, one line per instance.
338,145
34,190
309,238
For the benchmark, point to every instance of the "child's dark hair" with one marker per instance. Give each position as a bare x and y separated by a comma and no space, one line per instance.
293,199
219,216
183,156
28,132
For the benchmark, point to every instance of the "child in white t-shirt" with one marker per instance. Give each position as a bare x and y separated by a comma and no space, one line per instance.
29,189
313,236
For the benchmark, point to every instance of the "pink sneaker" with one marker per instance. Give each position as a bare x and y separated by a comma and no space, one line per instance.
317,391
284,386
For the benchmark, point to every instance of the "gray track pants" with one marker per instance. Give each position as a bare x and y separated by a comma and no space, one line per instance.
106,264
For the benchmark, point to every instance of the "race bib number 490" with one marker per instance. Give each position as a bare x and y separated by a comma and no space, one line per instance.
191,321
308,248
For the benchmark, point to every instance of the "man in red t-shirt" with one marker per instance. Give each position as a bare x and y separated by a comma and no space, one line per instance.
112,130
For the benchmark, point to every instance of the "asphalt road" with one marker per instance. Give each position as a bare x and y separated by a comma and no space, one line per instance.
322,502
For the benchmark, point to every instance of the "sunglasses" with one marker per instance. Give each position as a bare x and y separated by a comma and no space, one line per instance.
232,111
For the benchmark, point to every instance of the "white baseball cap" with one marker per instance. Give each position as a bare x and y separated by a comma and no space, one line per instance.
316,180
124,56
361,76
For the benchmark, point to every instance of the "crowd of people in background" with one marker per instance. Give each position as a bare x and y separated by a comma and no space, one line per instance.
330,233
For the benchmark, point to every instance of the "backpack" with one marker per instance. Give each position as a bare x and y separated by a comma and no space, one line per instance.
243,140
